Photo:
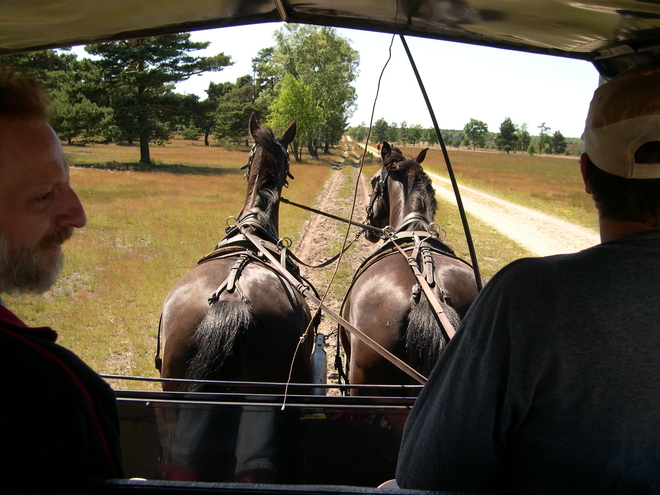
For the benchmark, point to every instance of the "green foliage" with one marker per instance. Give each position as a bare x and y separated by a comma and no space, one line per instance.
78,117
544,140
507,139
403,133
359,132
558,143
524,139
379,131
138,78
431,136
191,133
295,100
322,61
476,131
531,149
233,109
415,134
73,87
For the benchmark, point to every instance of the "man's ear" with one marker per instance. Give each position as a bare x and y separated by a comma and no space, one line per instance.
584,170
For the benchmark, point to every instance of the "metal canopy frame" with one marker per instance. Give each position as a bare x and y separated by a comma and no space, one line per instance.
612,34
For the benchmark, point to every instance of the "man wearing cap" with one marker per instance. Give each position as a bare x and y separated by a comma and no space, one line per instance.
552,383
58,418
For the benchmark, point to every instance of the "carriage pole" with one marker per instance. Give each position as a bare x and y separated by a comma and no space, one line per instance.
450,170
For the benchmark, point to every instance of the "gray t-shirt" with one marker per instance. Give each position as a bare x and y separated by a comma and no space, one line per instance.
552,383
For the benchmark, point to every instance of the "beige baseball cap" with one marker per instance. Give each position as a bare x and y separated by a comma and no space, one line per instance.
624,114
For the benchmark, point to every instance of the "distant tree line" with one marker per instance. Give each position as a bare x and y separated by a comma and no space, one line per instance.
125,92
474,135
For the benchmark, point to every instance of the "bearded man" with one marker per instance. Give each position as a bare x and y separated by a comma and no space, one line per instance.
59,417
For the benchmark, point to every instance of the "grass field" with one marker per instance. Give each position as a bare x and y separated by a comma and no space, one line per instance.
149,225
548,183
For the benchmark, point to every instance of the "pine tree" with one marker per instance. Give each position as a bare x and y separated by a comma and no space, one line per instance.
138,78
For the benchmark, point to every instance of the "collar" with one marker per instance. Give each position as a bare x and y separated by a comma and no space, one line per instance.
12,322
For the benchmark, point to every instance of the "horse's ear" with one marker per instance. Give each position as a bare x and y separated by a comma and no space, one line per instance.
289,134
421,156
385,149
254,124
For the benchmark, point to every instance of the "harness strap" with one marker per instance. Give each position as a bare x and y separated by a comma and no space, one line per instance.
429,266
303,289
445,324
408,219
233,275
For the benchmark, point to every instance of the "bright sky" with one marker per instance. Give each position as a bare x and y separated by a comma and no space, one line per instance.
462,81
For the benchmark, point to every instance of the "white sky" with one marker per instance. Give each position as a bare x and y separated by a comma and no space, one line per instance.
462,81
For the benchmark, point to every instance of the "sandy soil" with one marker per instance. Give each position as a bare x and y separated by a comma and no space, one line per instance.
320,234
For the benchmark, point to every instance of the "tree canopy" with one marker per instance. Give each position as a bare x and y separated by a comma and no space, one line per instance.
507,138
138,77
324,65
476,131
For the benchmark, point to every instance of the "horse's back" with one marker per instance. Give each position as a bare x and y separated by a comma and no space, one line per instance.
278,314
383,301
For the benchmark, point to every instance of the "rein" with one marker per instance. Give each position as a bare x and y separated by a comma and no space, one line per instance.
363,226
304,290
330,215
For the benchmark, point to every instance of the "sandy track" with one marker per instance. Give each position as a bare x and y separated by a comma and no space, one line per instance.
322,237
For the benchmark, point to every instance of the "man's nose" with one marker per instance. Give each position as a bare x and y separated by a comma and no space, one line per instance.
72,213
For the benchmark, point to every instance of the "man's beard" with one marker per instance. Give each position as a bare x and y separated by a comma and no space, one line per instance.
24,271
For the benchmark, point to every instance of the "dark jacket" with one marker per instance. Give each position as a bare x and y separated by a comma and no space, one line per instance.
58,418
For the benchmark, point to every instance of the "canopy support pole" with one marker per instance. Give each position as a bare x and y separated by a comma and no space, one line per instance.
450,170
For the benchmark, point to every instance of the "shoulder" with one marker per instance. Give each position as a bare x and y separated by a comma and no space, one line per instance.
524,277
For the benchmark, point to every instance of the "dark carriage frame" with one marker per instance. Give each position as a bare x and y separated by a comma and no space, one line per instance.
612,35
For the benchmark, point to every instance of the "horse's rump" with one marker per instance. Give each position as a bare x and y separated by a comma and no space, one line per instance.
384,302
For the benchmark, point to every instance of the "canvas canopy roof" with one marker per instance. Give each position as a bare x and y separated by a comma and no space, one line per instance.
613,34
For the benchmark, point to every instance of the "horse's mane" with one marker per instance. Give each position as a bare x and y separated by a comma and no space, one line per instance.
420,190
268,187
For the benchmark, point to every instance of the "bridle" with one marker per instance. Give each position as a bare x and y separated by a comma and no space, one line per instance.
285,153
380,191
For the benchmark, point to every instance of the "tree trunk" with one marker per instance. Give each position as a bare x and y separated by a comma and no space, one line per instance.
311,146
206,138
326,149
296,151
144,147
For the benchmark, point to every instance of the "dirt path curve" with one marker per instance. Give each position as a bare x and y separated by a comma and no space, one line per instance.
538,232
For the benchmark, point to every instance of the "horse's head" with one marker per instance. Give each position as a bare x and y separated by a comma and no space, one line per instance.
267,173
387,207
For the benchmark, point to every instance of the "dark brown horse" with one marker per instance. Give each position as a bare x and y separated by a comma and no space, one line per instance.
233,317
385,300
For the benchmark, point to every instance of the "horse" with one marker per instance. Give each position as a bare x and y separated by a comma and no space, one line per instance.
233,317
385,300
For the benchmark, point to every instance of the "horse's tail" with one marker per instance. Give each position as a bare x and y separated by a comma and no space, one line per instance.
425,341
219,338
